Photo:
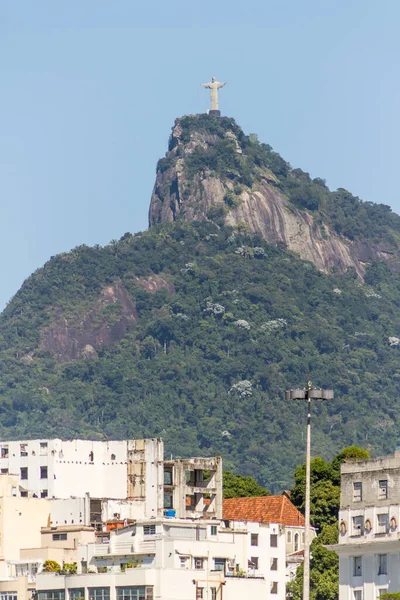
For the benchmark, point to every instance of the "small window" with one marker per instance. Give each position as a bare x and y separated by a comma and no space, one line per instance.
383,489
91,456
219,564
357,491
24,472
358,525
289,537
24,494
254,539
213,593
274,564
357,566
4,471
213,530
358,595
274,587
168,503
4,452
13,491
382,564
23,449
254,562
168,476
383,523
199,593
44,493
43,472
149,530
296,542
58,537
184,562
43,448
113,457
198,563
273,540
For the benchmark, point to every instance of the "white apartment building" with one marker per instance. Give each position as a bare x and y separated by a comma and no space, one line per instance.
172,559
369,516
275,534
97,481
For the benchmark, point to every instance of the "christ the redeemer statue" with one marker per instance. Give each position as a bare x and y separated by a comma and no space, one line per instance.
214,86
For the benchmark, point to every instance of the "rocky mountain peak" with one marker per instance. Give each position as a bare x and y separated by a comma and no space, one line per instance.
213,171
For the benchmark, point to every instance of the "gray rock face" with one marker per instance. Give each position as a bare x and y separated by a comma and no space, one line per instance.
262,208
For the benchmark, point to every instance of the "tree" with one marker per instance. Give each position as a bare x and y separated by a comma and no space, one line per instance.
325,501
51,566
240,486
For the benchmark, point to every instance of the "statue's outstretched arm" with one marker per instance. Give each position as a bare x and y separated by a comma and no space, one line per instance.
222,84
206,85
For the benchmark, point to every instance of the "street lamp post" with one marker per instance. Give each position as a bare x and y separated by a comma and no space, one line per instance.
309,393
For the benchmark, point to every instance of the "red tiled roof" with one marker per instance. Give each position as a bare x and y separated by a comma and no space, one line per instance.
263,509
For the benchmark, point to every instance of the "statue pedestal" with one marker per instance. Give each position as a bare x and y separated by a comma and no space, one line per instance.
214,113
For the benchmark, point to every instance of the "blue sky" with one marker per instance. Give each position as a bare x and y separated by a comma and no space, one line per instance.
90,90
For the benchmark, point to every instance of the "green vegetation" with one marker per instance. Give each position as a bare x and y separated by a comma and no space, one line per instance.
238,486
51,566
325,498
206,365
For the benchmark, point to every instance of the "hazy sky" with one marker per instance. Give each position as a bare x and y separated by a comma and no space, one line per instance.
90,90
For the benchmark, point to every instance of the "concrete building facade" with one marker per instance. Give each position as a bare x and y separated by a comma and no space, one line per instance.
369,516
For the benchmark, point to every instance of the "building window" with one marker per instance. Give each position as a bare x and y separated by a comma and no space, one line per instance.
357,491
168,503
43,472
13,491
274,587
51,595
273,540
43,448
274,564
213,530
23,449
253,563
24,494
358,525
296,542
382,564
76,593
168,476
213,593
358,594
136,592
4,452
4,471
113,457
99,593
383,523
8,595
357,566
149,530
184,562
58,537
219,564
199,593
289,537
198,563
44,493
383,489
24,472
254,539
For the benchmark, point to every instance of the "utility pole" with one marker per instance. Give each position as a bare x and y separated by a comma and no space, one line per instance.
307,394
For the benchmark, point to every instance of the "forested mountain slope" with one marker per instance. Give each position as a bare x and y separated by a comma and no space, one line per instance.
192,332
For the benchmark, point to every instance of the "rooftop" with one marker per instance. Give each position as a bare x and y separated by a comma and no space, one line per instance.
263,509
